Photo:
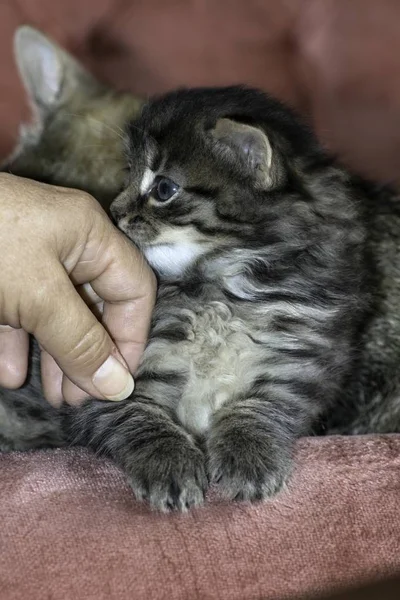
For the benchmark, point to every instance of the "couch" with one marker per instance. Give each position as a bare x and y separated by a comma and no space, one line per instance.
70,527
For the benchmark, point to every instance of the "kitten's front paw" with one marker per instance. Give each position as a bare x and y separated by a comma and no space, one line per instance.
171,477
246,466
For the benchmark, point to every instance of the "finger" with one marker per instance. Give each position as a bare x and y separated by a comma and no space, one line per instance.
56,386
91,299
88,294
67,329
128,287
72,394
14,348
51,379
132,353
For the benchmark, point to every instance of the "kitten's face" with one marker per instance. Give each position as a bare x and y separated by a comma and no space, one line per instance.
169,205
204,177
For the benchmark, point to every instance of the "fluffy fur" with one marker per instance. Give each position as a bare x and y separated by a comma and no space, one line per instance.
75,138
277,311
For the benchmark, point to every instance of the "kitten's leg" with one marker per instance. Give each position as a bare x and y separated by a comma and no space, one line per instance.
251,441
161,460
27,420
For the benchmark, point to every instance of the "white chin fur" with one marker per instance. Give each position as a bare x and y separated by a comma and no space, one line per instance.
172,259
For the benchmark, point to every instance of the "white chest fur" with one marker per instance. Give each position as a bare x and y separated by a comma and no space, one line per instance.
171,260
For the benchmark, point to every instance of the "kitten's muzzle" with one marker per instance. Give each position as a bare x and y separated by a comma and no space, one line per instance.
117,212
123,217
119,208
129,222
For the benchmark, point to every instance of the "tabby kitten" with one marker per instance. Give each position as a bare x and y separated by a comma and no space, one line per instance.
277,305
259,248
75,139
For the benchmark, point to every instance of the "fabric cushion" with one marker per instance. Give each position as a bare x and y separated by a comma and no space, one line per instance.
71,528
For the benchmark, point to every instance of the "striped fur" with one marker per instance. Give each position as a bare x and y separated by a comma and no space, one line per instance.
277,312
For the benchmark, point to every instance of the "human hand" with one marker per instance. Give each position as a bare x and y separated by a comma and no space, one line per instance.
60,254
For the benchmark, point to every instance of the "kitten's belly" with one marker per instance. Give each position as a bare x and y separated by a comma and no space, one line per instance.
222,362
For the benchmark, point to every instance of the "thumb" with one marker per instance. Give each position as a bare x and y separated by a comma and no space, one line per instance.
66,328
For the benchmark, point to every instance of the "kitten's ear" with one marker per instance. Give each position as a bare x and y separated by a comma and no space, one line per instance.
248,144
50,75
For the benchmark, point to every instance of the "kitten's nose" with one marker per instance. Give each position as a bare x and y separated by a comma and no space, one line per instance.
128,222
117,212
119,207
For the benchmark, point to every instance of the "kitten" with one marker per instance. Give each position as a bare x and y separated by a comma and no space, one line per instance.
277,306
258,243
76,137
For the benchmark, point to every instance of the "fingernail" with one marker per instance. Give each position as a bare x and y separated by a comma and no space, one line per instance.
113,381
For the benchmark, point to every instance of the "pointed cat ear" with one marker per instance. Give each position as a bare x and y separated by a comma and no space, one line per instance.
248,144
50,75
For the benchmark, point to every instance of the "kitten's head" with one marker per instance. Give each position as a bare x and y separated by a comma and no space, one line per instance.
75,138
212,170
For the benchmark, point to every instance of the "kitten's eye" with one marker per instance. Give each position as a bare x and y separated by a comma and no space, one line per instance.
164,189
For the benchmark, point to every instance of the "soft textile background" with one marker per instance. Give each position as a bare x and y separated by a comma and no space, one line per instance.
69,525
71,529
337,60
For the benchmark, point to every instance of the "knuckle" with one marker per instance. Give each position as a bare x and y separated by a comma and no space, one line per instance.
88,200
36,309
85,201
90,351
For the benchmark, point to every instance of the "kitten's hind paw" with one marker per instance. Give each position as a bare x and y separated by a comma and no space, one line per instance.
245,467
172,478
